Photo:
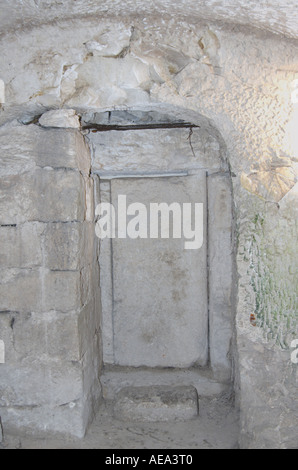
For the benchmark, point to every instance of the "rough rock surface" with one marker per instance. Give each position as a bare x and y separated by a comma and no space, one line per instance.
272,15
239,81
157,404
65,118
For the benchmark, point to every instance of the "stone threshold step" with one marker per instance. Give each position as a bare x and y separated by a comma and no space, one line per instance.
157,404
115,379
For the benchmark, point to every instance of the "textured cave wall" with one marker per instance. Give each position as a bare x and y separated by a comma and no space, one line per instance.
242,81
272,15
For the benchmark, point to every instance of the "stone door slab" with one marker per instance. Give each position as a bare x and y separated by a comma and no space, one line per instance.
159,305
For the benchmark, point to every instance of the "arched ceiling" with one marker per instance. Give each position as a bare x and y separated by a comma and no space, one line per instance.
279,16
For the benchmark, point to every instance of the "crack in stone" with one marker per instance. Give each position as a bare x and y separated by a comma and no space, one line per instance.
190,142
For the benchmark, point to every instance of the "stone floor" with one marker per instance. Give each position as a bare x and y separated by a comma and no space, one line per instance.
215,428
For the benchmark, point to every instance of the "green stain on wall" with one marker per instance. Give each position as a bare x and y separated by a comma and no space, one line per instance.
271,253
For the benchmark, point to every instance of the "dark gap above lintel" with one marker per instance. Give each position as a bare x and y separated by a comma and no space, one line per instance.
102,128
131,120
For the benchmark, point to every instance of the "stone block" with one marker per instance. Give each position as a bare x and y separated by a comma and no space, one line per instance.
20,246
105,44
220,274
62,291
36,336
2,95
2,351
62,335
161,318
159,403
6,334
68,246
39,290
106,286
141,151
33,383
88,324
21,290
90,207
123,118
89,283
91,367
24,148
104,82
203,380
67,419
44,195
64,118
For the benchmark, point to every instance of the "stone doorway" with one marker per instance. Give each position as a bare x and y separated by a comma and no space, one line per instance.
159,314
83,296
167,313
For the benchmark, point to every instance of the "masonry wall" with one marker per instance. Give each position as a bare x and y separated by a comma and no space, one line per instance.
49,318
240,80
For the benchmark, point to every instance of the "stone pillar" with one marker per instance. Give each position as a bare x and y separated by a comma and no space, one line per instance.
49,317
221,313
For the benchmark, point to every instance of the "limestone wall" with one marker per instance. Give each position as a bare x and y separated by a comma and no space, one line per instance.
243,83
49,314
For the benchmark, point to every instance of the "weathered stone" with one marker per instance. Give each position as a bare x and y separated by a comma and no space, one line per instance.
68,246
47,336
62,291
154,150
241,80
104,81
273,422
89,195
157,403
130,118
106,284
62,335
160,319
88,324
21,290
91,368
204,380
101,45
87,291
20,246
23,148
2,92
44,195
271,184
62,245
2,351
221,272
54,383
265,16
66,118
1,431
66,419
